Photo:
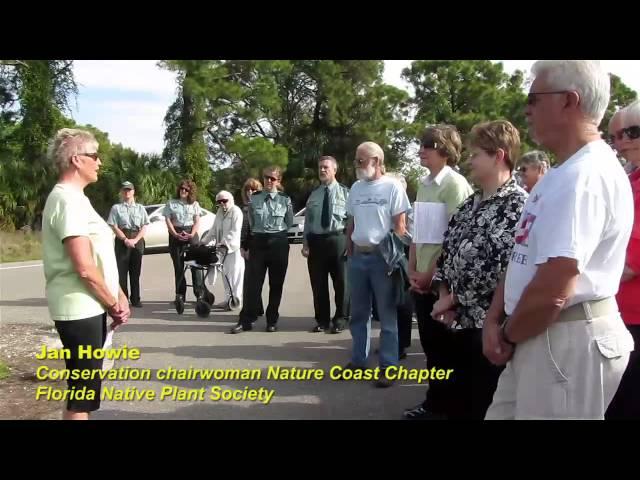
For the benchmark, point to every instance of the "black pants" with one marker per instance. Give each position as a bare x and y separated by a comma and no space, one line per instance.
626,402
468,392
176,249
326,258
405,317
73,333
130,265
434,338
267,252
245,289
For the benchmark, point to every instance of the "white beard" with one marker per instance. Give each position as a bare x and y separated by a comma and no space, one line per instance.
366,174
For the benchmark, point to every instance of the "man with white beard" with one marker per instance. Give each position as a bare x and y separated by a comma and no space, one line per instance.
376,205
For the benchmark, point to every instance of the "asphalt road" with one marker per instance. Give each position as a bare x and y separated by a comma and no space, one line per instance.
166,339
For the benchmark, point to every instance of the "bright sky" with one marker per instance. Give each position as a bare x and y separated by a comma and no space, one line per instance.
129,98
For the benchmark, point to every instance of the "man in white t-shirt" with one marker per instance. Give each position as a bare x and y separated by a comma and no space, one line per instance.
563,337
376,205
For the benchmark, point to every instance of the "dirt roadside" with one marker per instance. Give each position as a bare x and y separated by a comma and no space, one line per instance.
18,346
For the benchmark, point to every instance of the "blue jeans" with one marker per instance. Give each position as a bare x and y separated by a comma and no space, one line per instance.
368,278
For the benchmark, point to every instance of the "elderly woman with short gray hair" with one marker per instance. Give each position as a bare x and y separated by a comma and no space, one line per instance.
80,267
533,166
226,231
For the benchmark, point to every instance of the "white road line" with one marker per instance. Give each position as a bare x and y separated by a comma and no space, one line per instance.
21,266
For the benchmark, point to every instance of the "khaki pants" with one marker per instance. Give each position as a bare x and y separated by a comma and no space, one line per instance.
570,371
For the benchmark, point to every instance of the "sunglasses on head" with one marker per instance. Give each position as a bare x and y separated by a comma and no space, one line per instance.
632,133
532,97
223,200
184,189
93,155
271,179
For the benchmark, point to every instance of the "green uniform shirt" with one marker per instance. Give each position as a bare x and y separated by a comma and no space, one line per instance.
338,196
447,187
270,212
181,214
68,213
128,216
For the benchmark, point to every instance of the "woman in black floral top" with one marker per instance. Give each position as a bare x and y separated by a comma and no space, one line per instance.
475,253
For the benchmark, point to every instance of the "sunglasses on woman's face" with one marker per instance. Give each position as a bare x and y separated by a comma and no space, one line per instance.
632,133
429,144
223,200
270,179
183,189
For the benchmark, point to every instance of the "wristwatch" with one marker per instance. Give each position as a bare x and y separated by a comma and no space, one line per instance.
503,334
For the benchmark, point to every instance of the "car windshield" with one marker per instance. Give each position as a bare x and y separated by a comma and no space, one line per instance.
151,209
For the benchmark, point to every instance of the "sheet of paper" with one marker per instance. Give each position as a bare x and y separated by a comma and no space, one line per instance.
430,221
107,363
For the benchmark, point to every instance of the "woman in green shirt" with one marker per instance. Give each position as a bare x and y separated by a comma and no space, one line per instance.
182,215
80,266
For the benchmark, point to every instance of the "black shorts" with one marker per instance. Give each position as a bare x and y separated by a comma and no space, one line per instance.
73,333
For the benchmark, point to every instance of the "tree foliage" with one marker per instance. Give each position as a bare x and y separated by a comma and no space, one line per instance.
231,118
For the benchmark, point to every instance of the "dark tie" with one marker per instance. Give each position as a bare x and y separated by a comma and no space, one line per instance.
326,218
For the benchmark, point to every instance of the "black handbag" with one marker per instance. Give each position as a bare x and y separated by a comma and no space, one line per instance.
201,254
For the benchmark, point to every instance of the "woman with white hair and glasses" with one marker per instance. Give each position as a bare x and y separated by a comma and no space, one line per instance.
533,166
80,268
624,130
226,231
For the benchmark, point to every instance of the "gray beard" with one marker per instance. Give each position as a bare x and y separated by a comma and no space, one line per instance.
362,174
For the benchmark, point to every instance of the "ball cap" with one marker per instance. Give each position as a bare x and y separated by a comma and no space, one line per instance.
126,186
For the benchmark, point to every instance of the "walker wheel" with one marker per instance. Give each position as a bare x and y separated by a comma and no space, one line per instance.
203,308
209,297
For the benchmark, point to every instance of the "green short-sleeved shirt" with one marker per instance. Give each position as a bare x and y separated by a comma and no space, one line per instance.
338,196
181,214
68,213
128,216
450,188
270,212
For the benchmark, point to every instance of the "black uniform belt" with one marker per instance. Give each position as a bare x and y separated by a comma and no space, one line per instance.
266,236
130,232
325,235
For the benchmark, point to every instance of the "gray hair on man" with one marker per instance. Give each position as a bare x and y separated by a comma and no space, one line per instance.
536,158
69,142
587,77
374,150
330,158
399,177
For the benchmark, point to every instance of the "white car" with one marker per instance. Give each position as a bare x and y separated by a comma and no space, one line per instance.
296,232
156,237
